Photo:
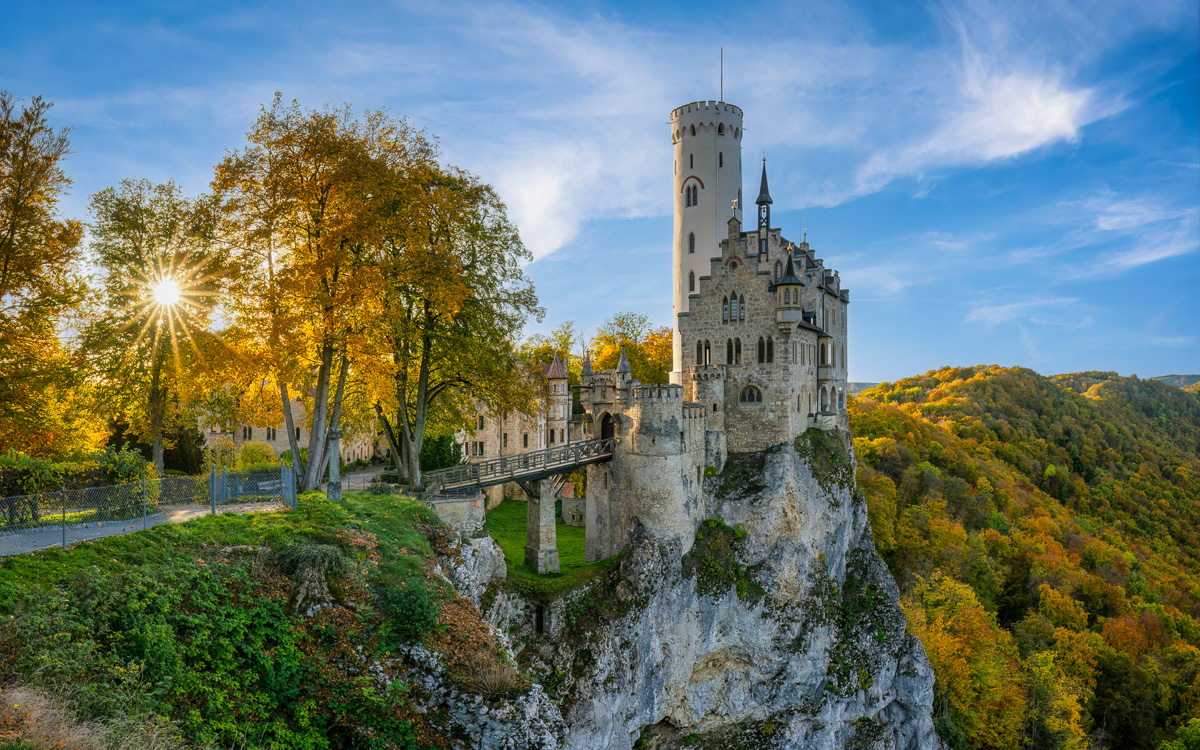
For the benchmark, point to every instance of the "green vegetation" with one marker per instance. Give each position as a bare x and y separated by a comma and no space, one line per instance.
713,561
742,475
1045,533
506,524
827,458
192,623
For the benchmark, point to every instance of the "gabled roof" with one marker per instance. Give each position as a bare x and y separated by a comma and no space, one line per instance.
555,370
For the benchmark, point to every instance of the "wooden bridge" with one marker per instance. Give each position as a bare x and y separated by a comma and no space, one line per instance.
520,467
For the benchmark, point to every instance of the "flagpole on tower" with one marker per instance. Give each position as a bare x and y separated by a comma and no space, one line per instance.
722,74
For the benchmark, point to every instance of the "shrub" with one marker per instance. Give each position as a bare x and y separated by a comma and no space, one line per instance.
381,489
222,453
411,611
255,452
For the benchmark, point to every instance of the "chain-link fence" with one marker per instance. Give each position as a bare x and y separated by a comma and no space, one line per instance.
48,519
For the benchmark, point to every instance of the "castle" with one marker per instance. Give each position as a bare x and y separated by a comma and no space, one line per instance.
759,351
759,356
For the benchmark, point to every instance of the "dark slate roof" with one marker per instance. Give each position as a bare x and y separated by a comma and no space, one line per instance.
623,365
555,370
764,195
789,274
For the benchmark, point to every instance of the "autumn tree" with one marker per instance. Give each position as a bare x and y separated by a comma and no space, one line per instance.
455,299
40,285
154,249
648,348
563,341
302,206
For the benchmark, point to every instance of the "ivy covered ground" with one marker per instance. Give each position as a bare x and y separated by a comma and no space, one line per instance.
195,634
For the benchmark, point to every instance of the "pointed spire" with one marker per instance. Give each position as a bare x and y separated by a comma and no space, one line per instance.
587,365
556,369
623,365
764,195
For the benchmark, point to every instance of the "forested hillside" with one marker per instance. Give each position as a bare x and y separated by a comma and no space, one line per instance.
1044,534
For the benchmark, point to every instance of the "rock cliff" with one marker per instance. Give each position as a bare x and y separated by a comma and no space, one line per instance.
779,628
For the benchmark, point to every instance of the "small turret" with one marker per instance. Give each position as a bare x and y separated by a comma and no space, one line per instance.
787,298
764,211
587,366
623,368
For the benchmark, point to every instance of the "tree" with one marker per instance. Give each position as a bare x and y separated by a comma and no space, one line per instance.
155,251
561,342
40,286
647,348
302,210
454,302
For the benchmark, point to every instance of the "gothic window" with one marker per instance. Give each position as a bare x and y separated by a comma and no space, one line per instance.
721,129
699,352
691,242
741,308
737,132
693,130
737,351
841,400
762,350
707,353
691,281
729,351
770,350
724,309
750,395
778,271
687,197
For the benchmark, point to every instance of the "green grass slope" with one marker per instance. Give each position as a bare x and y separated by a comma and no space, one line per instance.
1044,532
178,630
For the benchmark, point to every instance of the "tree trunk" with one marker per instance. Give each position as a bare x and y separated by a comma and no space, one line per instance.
316,440
157,403
290,425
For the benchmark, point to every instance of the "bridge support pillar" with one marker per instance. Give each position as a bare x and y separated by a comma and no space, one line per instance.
541,541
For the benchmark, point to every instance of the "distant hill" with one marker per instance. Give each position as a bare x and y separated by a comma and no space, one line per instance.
859,387
1179,381
1045,533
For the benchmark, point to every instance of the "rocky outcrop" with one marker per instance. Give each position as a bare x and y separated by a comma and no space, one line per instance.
779,628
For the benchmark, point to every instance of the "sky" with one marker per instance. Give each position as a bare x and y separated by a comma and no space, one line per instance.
1013,183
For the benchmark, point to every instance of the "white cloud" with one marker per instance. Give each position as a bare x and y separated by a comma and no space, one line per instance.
1032,310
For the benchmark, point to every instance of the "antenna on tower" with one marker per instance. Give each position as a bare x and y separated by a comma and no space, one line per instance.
722,74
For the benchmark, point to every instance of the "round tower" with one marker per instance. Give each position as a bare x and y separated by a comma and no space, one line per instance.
706,188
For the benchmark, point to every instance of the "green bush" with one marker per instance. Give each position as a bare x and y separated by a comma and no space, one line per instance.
222,453
255,452
412,613
381,489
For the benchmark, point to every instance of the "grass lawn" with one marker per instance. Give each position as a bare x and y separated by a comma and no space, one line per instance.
506,524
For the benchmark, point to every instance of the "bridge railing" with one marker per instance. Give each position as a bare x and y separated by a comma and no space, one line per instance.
520,465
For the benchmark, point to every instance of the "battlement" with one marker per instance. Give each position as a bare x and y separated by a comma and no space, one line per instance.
709,106
660,393
694,411
703,373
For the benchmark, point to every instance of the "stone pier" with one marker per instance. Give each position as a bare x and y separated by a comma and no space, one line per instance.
541,543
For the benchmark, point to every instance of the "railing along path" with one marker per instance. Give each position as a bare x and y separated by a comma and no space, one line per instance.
522,467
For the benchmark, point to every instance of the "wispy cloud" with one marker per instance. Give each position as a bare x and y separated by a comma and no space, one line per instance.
1029,310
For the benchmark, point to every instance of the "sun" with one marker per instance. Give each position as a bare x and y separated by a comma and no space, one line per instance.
166,292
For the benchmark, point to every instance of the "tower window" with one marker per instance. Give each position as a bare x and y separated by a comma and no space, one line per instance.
691,242
691,161
720,158
721,129
691,281
693,129
737,351
741,308
762,350
707,353
699,352
778,271
770,350
737,132
750,395
729,351
725,310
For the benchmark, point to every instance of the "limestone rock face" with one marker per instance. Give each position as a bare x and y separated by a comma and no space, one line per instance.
482,563
780,628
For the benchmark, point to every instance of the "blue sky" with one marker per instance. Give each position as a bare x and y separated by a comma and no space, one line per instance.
1013,183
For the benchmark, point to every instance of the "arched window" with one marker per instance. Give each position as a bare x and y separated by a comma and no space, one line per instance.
750,395
721,129
824,400
778,271
693,130
707,353
762,350
724,309
737,132
823,349
770,350
841,400
741,308
695,195
691,281
687,197
699,352
737,351
729,351
691,242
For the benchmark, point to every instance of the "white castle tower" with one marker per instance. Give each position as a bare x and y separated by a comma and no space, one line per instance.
708,181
